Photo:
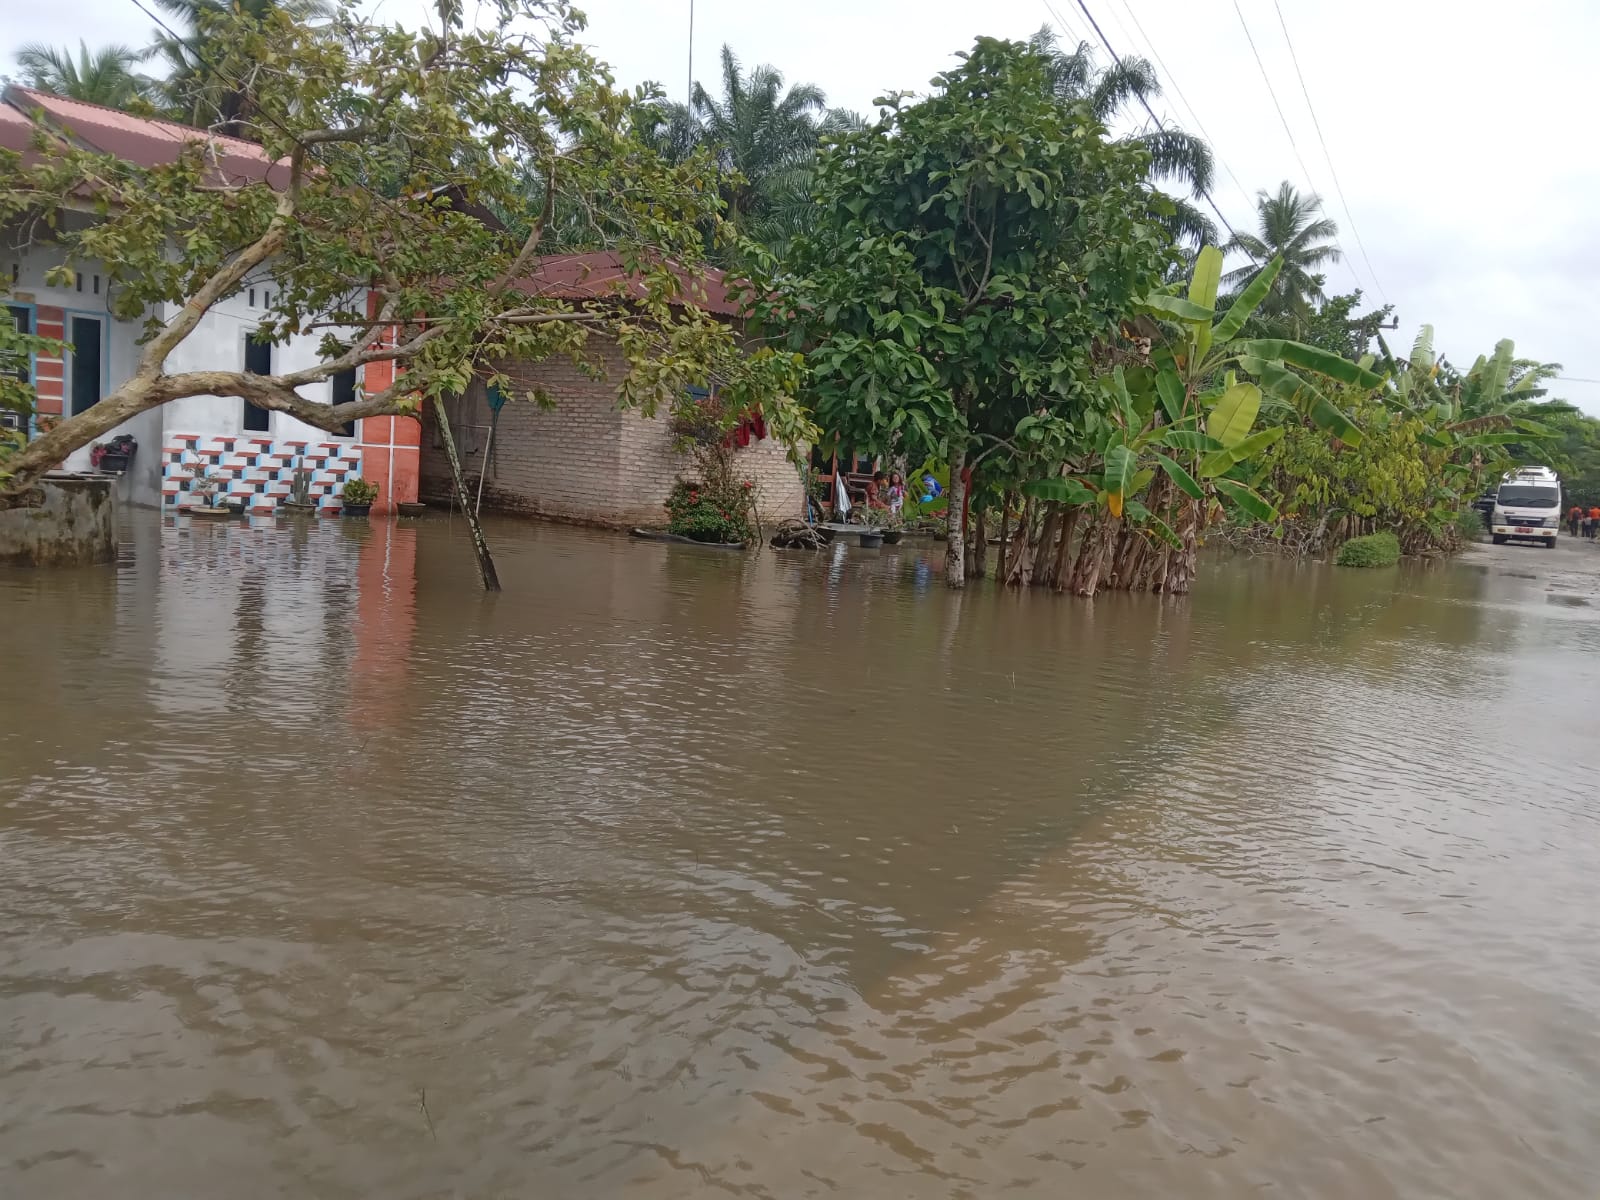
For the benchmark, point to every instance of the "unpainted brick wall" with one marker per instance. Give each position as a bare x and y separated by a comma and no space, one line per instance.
585,460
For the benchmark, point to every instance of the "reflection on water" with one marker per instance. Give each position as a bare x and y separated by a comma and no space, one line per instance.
667,872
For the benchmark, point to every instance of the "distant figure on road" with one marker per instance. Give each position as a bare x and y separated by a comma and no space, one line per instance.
1594,522
1574,519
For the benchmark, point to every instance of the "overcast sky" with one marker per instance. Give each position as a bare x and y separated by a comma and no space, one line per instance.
1462,132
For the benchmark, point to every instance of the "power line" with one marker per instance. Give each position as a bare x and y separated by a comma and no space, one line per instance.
1289,133
1116,58
1332,170
1167,74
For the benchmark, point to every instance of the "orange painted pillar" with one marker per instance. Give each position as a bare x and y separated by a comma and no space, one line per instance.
391,447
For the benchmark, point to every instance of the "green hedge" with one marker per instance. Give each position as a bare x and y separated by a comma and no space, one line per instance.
1374,550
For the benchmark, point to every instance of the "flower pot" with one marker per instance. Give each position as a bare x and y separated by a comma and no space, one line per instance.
308,506
871,539
891,537
217,513
357,510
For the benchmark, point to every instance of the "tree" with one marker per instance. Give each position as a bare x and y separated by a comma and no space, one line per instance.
1290,229
763,139
970,248
1175,156
107,76
194,90
401,278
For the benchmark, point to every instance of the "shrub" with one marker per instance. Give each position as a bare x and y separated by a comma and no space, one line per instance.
1374,550
1469,525
711,513
359,491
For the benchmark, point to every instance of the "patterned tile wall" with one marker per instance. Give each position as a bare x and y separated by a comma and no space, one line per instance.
255,469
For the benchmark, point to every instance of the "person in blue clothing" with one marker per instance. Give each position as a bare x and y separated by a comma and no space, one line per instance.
930,487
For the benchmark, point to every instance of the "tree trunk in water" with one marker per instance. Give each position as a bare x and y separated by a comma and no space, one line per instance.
979,545
1180,569
1092,561
955,558
1005,536
1056,570
1019,563
491,581
1047,541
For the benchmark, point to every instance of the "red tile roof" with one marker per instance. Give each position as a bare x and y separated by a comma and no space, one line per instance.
602,274
143,141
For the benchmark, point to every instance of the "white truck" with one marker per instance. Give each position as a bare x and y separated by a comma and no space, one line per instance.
1527,505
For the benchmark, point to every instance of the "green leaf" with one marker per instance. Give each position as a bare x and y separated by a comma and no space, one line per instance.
1174,306
1191,440
1170,388
1164,532
1311,358
1203,291
1328,415
1222,461
1063,491
1206,278
1121,465
1247,499
1234,413
1249,300
1185,481
1533,428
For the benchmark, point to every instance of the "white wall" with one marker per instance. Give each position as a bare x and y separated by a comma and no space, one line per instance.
217,343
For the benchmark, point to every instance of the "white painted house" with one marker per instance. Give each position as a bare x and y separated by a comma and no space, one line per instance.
254,451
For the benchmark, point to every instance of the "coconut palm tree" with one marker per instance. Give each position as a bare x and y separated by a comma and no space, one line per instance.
106,76
1290,228
1176,157
194,90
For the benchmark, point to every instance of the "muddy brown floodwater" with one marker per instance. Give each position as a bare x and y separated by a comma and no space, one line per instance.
669,872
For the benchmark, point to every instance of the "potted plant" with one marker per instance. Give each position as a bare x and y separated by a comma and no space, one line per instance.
894,528
358,496
206,488
873,521
300,492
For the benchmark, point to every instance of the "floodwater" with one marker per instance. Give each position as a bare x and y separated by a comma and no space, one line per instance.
670,872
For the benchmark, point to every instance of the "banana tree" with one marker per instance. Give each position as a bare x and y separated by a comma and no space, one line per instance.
1475,417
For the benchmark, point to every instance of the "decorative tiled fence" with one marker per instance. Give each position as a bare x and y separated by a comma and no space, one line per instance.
256,470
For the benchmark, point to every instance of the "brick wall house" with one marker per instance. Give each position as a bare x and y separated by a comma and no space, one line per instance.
585,459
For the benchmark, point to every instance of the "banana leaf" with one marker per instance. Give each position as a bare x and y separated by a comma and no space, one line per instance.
1311,358
1247,499
1249,300
1234,413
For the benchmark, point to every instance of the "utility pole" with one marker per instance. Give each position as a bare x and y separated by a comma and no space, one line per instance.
688,96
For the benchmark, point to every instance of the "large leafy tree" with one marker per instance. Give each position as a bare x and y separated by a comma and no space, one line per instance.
970,248
195,89
1292,229
1176,157
398,278
108,75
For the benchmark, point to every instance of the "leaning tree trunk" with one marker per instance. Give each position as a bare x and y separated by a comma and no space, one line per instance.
1048,531
491,580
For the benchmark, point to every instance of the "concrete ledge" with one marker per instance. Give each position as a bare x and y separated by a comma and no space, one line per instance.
68,521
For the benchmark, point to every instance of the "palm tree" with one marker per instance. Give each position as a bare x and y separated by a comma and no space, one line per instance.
1175,156
194,90
1291,229
764,139
106,76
